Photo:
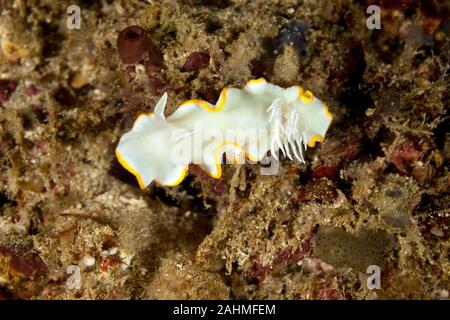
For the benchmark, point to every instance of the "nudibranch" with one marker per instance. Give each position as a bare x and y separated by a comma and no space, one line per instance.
244,123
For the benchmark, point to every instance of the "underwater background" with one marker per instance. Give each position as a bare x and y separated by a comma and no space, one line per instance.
74,223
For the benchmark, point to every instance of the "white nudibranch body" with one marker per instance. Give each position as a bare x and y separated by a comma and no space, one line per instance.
244,123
